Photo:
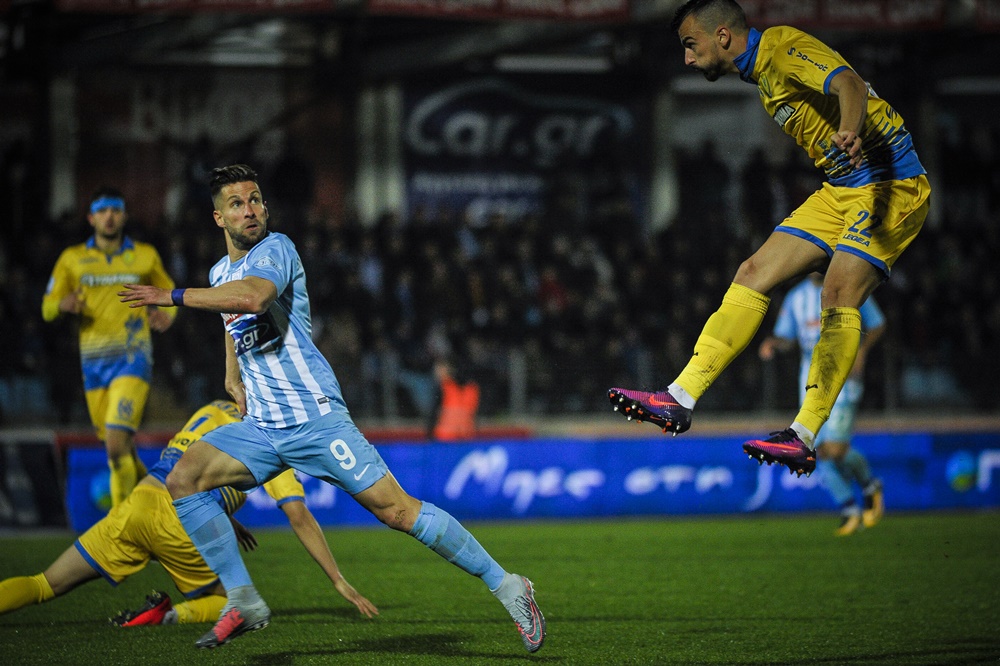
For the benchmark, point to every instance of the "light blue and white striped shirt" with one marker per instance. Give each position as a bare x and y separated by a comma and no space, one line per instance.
799,319
288,381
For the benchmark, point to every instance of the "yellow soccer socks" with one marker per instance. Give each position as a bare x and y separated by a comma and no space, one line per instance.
124,477
726,333
22,591
832,360
203,609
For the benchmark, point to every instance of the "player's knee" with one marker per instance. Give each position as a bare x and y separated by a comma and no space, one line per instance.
847,290
757,275
401,515
746,272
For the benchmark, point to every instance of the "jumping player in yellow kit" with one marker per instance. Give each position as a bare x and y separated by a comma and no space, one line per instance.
854,228
116,350
146,526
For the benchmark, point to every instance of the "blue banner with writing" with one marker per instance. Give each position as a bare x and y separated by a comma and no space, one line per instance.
577,478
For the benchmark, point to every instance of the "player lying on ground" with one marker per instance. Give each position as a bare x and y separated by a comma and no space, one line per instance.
146,526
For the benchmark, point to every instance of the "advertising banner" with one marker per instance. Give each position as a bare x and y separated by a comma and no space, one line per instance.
574,478
853,14
194,6
563,10
485,145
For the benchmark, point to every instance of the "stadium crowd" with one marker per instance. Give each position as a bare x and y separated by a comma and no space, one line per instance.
551,306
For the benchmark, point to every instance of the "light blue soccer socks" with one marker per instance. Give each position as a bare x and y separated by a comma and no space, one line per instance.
839,475
439,531
854,465
833,479
212,533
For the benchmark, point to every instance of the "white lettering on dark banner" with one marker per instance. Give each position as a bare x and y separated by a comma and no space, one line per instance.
533,128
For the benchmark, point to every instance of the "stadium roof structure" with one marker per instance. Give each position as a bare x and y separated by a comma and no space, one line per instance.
379,39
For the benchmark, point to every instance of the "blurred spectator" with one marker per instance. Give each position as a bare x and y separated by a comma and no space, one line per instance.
457,403
569,306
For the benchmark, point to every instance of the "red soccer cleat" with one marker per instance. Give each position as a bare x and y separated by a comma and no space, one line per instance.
157,605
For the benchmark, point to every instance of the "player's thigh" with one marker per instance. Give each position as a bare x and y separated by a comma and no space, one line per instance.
818,221
69,570
97,408
849,281
331,448
229,461
126,402
882,219
782,257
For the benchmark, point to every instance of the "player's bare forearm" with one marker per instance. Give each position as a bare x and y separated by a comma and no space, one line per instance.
364,606
311,535
233,382
251,295
141,295
772,345
852,94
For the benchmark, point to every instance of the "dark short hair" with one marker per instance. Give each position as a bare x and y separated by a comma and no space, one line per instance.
106,191
227,175
726,12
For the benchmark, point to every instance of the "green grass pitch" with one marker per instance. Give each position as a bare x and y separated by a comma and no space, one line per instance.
754,589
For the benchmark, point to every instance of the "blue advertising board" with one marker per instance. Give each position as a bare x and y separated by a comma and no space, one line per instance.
579,478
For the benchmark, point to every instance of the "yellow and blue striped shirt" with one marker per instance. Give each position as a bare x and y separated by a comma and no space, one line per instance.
792,71
114,338
283,488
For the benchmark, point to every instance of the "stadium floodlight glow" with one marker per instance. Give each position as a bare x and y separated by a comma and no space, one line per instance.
564,63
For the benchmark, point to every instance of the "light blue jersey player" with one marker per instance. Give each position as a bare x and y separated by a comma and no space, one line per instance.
290,387
294,416
839,464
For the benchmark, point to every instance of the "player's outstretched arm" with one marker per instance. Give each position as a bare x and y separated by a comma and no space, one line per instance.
772,345
250,295
311,535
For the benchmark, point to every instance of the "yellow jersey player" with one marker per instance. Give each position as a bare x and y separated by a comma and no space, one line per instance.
116,352
853,229
145,526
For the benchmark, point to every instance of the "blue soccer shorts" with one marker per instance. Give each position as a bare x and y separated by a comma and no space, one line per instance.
330,448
